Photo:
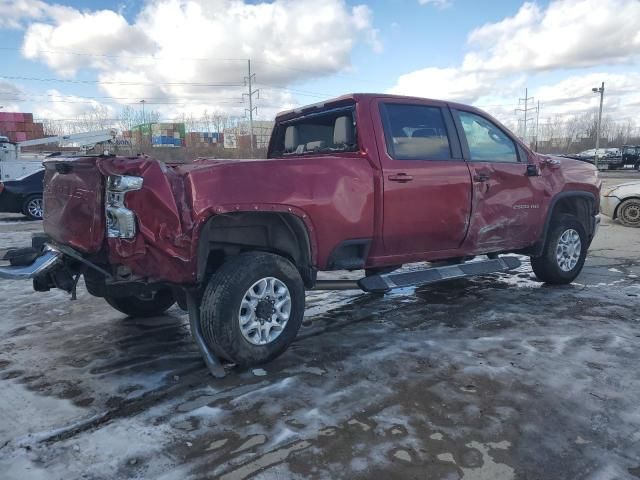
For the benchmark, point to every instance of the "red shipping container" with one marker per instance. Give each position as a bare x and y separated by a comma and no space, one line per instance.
21,136
28,117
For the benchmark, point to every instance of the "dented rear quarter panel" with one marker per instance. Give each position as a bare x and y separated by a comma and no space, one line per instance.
162,249
332,195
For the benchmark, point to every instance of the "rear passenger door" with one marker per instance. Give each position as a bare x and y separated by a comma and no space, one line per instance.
506,194
427,186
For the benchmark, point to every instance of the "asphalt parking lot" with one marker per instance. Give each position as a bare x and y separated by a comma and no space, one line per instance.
499,377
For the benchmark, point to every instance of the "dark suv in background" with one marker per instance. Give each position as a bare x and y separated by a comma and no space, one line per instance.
631,155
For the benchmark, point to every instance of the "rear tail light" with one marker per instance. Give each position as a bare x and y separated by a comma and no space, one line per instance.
121,222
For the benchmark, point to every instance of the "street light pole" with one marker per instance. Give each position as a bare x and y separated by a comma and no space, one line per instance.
143,125
143,102
601,92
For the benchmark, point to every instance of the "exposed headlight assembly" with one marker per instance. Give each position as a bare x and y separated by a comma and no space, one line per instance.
121,222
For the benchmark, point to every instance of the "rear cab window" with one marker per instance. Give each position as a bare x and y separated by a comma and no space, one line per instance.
324,131
415,132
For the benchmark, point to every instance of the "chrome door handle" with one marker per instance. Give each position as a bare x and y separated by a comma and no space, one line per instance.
481,177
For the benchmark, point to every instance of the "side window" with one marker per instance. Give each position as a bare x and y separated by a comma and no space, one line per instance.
415,132
486,141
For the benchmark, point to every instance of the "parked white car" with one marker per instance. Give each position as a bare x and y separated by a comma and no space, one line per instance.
623,202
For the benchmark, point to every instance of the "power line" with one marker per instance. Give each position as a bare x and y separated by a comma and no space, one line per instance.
22,99
110,82
99,96
148,57
198,59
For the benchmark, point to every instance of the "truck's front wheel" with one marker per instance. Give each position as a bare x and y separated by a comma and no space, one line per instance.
564,252
252,308
145,305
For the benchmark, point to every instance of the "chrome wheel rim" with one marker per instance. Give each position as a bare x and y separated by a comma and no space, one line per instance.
568,250
34,207
264,311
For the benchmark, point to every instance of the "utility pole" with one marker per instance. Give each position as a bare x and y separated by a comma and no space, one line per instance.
249,79
601,92
537,122
526,111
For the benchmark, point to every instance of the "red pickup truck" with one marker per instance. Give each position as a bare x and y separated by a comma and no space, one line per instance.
362,182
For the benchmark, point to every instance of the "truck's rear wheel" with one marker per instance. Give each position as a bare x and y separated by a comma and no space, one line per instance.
252,308
564,252
143,305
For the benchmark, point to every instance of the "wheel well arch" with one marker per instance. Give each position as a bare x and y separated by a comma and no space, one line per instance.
236,232
622,200
579,204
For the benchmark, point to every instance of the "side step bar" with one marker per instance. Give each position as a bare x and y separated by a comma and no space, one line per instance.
387,281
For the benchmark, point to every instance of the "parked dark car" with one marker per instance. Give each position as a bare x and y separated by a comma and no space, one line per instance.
23,195
631,155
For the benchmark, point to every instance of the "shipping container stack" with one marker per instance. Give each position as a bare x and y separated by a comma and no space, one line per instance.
20,126
202,139
159,134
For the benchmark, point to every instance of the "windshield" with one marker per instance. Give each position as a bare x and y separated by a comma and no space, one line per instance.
328,131
629,150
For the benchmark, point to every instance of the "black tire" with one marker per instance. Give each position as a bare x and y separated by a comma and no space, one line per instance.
547,266
32,207
629,212
221,306
143,306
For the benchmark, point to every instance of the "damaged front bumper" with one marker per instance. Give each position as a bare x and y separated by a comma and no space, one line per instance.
45,262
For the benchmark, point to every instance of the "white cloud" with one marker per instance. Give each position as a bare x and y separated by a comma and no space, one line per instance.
60,106
97,33
573,95
198,41
441,4
567,34
14,14
445,83
8,90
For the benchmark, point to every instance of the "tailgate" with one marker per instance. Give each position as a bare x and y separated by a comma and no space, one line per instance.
74,203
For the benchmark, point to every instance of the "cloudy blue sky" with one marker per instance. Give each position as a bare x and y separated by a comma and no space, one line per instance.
185,56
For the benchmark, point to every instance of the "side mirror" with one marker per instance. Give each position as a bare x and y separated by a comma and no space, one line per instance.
533,170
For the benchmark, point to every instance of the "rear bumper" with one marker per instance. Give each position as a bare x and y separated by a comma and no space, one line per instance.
42,264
